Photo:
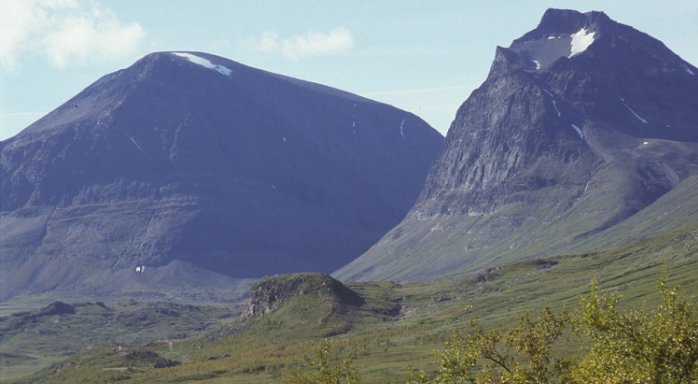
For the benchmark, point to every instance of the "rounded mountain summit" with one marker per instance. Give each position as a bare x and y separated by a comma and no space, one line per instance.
193,158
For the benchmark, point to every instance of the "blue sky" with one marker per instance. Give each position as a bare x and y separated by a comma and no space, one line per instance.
422,56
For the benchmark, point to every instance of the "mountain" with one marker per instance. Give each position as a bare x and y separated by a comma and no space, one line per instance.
200,169
584,129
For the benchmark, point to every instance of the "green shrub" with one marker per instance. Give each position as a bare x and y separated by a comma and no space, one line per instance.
657,345
323,371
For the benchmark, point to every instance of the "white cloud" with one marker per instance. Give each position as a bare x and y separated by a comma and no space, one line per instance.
64,31
297,47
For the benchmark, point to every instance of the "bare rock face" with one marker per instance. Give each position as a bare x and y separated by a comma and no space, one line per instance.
581,123
532,123
269,293
190,157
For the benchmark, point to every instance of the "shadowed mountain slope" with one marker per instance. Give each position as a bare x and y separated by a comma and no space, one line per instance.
190,157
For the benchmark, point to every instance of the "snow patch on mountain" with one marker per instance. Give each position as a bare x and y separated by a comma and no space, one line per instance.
555,106
688,70
632,111
402,129
136,144
581,41
223,70
537,64
579,131
552,98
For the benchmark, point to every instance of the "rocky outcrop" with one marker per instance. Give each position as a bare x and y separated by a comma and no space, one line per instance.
57,308
271,292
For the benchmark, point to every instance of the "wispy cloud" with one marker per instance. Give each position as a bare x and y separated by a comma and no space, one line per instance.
297,47
64,31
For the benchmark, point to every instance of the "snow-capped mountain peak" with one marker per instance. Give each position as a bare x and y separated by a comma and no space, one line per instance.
222,69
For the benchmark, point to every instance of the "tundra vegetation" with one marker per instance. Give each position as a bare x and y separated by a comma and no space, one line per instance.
645,345
642,345
528,312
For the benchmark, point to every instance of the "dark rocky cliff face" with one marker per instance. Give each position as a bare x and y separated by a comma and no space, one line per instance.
192,157
517,131
580,124
506,138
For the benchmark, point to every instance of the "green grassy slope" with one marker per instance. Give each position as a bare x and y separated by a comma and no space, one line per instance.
453,244
33,340
675,209
399,325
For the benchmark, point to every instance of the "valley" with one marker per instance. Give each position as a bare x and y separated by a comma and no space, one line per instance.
395,329
191,219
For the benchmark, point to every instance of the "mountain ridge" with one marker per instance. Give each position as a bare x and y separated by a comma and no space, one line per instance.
192,157
559,143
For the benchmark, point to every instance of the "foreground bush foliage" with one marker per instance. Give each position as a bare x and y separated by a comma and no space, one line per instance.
323,371
647,345
638,346
658,345
522,354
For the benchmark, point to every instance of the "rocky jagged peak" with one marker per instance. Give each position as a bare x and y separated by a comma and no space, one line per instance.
558,136
561,33
569,20
529,123
506,60
270,292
